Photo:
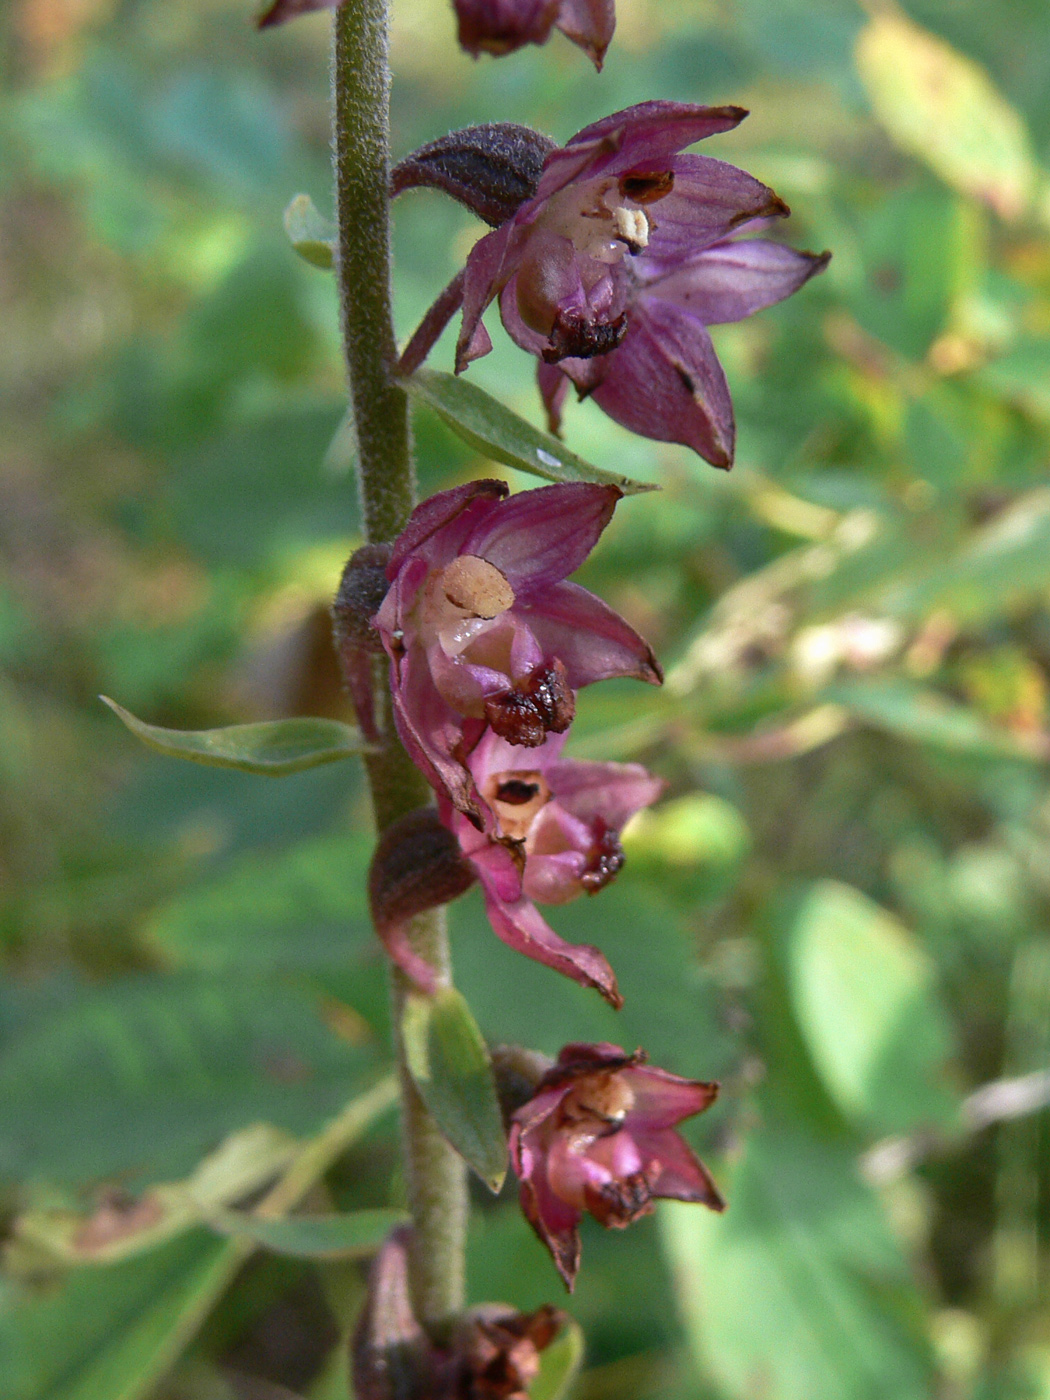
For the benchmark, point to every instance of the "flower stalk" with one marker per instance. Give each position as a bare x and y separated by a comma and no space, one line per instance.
435,1175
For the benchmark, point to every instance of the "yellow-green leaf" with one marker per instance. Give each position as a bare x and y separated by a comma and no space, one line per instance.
310,234
943,108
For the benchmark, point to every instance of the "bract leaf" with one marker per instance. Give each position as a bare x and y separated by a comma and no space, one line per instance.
348,1236
310,233
450,1065
559,1364
494,430
273,747
944,109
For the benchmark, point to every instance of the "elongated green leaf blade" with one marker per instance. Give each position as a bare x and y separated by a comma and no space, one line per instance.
492,429
450,1064
310,234
274,747
864,995
314,1236
559,1364
806,1255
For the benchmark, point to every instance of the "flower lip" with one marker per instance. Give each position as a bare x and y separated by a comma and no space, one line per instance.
516,798
477,587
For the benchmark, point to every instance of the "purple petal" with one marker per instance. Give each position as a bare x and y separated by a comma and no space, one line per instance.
663,1099
683,1177
709,200
520,925
555,1223
584,1054
553,386
452,513
501,26
554,879
666,383
591,640
589,23
732,280
496,755
538,537
489,264
281,11
611,791
644,137
431,731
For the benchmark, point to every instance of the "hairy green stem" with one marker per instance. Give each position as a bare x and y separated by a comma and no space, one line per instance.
435,1175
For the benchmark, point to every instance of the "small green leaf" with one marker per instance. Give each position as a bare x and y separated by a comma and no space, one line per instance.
492,429
311,235
313,1236
274,747
449,1062
559,1364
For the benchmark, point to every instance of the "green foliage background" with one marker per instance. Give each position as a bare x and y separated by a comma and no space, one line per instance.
841,908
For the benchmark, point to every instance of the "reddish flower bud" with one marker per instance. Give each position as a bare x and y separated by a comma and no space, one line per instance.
417,865
496,1351
598,1136
483,630
391,1356
501,26
493,1353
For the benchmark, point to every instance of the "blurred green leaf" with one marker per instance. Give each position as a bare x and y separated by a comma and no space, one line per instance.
313,1236
112,1333
696,843
311,235
496,432
908,243
559,1364
924,716
865,999
244,495
799,1289
273,747
143,1075
450,1066
997,568
1022,376
302,908
942,108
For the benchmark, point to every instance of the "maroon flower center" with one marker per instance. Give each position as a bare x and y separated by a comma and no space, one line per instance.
604,861
541,703
620,1202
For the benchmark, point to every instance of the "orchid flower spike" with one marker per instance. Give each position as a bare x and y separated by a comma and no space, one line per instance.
613,271
482,628
501,26
598,1136
555,837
